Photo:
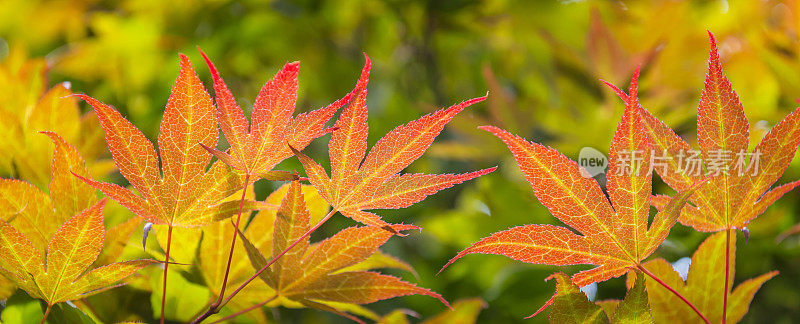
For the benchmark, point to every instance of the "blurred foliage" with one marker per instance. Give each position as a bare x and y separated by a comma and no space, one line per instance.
540,61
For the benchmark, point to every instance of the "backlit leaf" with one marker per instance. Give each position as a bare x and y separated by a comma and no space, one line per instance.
701,286
67,193
570,304
634,308
216,244
740,179
464,311
380,260
116,239
616,238
361,287
186,194
376,183
73,248
46,250
258,147
311,274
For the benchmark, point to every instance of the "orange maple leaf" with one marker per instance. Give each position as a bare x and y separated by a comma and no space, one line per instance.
216,244
376,183
740,180
313,274
48,243
734,195
183,194
615,236
258,149
255,151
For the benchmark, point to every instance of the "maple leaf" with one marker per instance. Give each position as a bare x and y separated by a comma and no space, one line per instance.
375,183
257,148
216,243
266,143
309,274
615,236
570,304
38,216
73,248
734,195
48,249
184,194
738,190
703,273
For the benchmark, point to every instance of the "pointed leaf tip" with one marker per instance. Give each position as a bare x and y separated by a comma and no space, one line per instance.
633,89
225,158
364,78
211,67
367,60
546,304
622,95
397,229
488,128
470,102
184,58
293,66
713,51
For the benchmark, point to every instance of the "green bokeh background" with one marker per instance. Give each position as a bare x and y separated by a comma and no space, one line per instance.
541,62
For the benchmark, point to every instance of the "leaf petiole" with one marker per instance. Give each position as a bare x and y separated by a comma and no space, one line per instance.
274,259
214,309
245,310
216,303
727,273
46,313
166,265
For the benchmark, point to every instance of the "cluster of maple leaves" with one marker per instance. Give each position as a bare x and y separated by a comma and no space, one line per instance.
53,245
614,229
176,188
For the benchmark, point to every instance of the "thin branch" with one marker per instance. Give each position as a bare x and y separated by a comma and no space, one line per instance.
245,310
301,238
166,265
647,272
214,310
233,243
46,313
727,273
201,310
